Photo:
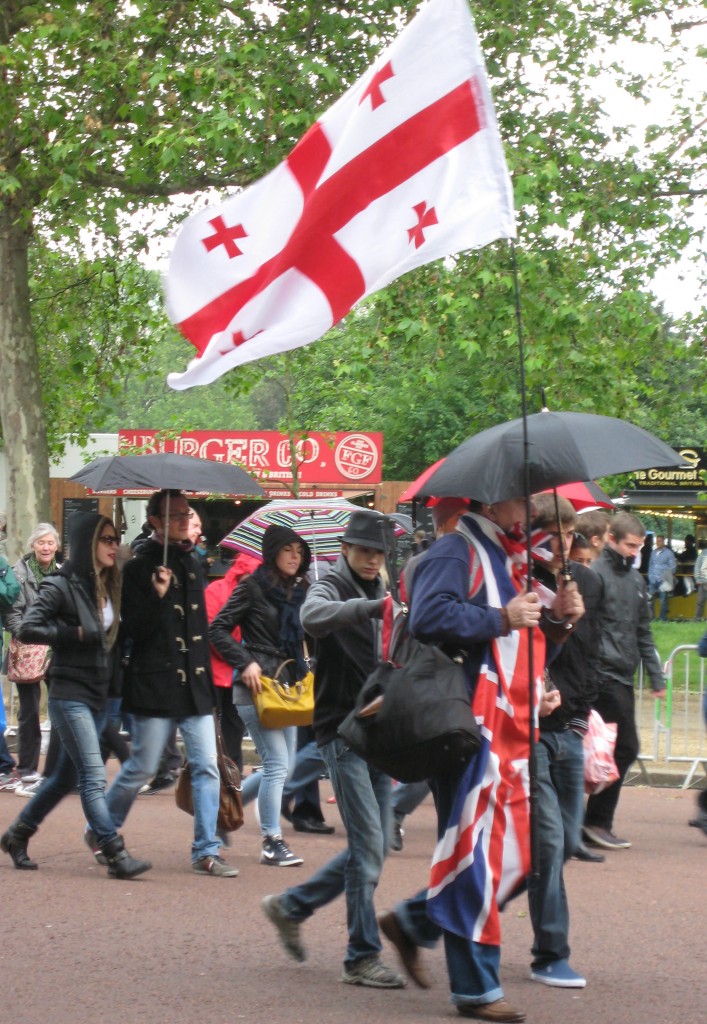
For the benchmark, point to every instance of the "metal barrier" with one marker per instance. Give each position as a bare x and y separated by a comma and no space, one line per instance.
684,728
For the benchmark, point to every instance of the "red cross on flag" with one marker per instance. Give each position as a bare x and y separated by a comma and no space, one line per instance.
405,168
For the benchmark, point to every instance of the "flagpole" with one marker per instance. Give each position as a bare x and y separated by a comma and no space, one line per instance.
532,762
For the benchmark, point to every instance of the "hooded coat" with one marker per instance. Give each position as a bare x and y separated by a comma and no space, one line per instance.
65,616
258,618
169,670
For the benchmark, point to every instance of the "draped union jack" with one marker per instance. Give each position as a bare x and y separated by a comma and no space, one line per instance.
485,851
405,168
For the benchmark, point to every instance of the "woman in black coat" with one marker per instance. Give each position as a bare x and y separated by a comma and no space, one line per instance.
266,606
77,614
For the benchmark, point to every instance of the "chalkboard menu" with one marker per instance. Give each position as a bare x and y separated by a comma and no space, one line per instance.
71,505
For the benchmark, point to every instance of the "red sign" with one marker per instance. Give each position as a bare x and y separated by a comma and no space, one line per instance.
321,458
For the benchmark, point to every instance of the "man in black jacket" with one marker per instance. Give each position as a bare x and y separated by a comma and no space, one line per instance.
168,678
559,755
625,640
343,610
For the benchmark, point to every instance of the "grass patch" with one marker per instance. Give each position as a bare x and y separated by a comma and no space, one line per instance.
669,635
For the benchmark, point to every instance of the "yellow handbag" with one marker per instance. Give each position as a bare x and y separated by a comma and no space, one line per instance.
282,704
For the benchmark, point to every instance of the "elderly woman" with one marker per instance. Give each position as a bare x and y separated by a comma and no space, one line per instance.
34,566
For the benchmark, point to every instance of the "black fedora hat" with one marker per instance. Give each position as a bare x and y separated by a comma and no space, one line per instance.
369,529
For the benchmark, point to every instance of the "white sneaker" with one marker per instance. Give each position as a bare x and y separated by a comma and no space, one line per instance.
30,790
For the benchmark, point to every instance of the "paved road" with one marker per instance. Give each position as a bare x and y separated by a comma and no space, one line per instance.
174,948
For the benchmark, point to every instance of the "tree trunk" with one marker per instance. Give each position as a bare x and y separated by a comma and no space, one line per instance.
21,410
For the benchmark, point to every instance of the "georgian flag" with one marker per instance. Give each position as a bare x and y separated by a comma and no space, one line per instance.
405,168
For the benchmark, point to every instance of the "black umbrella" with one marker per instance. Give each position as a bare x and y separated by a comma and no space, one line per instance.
166,470
563,447
160,470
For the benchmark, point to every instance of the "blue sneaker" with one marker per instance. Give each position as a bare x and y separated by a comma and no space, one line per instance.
558,974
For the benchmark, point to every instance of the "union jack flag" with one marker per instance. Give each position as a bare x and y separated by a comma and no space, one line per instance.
484,853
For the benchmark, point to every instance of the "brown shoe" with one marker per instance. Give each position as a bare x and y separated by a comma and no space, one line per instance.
406,949
500,1011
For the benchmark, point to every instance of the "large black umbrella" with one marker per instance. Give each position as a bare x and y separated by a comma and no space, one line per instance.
166,470
563,447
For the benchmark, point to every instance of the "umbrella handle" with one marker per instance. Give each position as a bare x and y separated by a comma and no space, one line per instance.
166,532
314,546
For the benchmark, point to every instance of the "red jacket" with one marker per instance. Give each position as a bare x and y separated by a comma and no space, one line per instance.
217,593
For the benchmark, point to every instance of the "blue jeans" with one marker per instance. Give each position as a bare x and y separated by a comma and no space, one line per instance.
560,806
363,798
79,757
307,769
407,796
662,596
473,967
277,749
7,761
148,739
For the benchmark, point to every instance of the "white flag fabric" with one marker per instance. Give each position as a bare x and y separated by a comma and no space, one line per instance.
405,168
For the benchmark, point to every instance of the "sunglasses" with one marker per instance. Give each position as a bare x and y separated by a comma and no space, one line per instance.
109,538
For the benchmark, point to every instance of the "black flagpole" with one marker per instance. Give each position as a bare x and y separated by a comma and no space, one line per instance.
532,767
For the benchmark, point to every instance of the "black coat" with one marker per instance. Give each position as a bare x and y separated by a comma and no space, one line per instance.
169,667
259,622
574,670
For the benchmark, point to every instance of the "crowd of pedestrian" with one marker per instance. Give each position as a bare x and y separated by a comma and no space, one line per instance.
153,647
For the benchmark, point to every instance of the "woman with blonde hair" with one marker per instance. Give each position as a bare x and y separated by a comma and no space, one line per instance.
76,613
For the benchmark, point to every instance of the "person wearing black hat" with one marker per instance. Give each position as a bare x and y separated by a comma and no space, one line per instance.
266,606
343,611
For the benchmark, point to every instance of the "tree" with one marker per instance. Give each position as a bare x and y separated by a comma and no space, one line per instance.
109,109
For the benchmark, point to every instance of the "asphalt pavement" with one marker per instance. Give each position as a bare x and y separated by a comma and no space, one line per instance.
175,948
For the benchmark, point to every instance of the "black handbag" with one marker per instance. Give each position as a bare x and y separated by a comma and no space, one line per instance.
413,717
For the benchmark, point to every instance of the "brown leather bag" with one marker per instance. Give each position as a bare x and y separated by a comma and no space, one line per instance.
230,804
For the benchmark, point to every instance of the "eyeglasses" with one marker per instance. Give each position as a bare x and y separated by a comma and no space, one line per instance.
175,516
110,538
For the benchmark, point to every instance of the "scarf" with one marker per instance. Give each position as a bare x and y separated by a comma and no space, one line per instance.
181,545
40,571
514,545
288,603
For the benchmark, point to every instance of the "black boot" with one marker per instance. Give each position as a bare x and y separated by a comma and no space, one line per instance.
120,863
15,842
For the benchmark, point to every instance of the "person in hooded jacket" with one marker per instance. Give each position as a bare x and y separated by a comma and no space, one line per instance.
266,605
76,612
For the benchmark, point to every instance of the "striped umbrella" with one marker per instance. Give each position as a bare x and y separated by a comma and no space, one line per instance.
319,521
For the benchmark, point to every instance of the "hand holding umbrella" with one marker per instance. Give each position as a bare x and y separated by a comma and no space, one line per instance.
161,579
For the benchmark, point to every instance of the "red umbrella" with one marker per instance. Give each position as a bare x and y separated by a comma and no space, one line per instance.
583,495
410,492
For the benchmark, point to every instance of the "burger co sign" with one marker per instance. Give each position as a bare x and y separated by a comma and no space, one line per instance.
321,458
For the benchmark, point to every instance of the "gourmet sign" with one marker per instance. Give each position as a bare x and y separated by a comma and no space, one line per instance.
319,458
691,478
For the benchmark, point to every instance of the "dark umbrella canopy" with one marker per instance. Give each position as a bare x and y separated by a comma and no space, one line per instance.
160,470
563,447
